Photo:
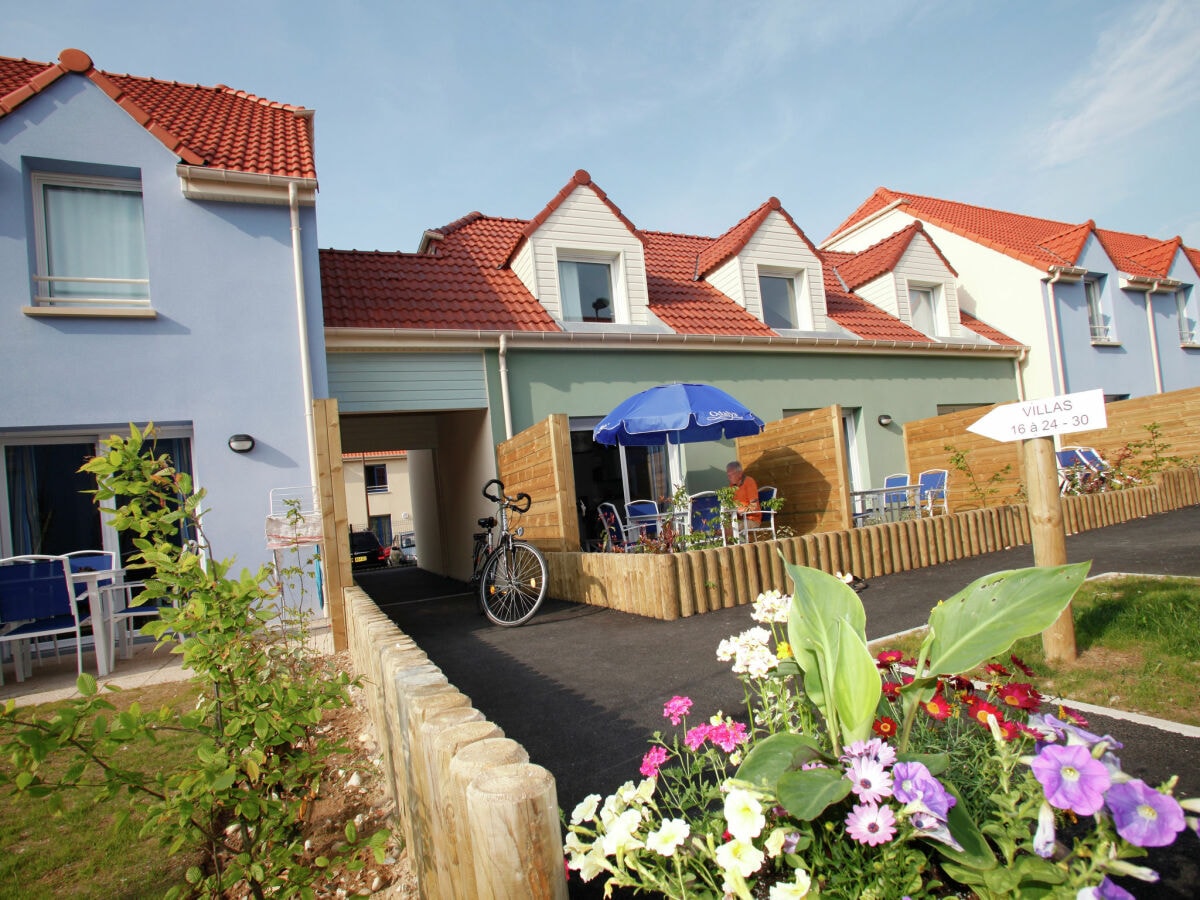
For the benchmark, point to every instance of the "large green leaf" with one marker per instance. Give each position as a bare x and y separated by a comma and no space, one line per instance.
807,794
857,685
819,603
976,854
985,618
773,756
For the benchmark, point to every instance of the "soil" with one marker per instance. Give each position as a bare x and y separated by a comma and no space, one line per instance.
354,788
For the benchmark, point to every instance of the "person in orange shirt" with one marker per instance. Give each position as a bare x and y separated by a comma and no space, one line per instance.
745,494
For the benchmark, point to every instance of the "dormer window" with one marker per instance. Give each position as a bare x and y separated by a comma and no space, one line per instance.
785,301
927,313
1099,322
586,288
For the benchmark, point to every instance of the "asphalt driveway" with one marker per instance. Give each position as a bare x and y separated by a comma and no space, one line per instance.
582,688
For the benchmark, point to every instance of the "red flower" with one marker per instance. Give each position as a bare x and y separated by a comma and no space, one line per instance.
996,669
960,684
1009,730
980,710
911,662
1016,661
885,727
1020,695
885,658
938,707
891,690
1072,716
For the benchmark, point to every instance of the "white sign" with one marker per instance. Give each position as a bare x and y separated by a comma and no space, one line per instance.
1063,414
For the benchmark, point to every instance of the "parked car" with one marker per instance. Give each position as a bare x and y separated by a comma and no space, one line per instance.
366,551
404,550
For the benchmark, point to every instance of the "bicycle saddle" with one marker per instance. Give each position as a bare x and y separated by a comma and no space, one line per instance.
489,522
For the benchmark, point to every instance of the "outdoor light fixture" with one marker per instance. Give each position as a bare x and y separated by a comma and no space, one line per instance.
885,420
241,443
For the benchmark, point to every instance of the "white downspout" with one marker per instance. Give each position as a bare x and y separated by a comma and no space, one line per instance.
1058,360
1158,380
508,432
1017,360
302,323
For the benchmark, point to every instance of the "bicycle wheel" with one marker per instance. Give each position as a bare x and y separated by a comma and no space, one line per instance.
513,583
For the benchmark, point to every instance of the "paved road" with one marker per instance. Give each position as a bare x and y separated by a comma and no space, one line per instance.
582,688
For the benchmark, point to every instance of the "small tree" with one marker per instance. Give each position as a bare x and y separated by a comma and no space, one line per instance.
258,762
979,489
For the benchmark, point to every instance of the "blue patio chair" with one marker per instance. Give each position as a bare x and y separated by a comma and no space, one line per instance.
704,514
897,503
1072,471
127,612
931,492
616,533
37,600
647,512
1098,466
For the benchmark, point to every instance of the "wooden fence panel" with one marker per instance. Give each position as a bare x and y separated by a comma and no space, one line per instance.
538,462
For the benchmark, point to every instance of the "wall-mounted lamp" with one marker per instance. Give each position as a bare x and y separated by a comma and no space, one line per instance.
241,443
885,420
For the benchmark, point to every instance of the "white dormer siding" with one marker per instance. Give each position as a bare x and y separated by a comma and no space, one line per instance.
775,249
920,267
882,292
584,229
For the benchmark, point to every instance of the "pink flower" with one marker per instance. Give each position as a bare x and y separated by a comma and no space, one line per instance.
871,824
676,708
728,735
654,758
696,737
871,782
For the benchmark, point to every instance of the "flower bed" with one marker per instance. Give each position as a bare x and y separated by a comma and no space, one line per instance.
855,776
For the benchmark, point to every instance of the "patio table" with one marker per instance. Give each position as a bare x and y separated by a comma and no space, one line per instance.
873,503
100,613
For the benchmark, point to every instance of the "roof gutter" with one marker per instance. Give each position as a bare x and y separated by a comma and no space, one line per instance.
204,183
378,339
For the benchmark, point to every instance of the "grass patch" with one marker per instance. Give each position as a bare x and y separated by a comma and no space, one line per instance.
83,852
1138,643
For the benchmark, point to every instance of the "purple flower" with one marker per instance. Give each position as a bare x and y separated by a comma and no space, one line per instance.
916,786
1071,778
1106,890
880,751
930,826
1043,838
1143,816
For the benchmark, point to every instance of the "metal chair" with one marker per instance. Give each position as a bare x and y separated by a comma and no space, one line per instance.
895,500
767,523
37,600
647,511
704,514
1072,471
931,492
616,532
123,611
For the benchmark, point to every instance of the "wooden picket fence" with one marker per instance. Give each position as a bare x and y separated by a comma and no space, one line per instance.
478,819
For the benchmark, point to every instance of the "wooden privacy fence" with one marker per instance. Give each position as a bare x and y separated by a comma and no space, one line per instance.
478,819
538,462
668,586
925,441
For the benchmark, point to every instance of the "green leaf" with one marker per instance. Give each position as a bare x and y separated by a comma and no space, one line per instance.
774,755
857,685
985,618
976,853
351,832
809,793
936,763
86,685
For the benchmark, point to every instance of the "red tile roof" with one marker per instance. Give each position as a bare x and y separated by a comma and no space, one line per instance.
984,330
460,281
732,242
867,265
1039,242
216,127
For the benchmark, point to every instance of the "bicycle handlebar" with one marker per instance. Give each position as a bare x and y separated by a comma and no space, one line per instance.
513,503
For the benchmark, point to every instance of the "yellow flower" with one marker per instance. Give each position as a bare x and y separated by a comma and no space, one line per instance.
784,650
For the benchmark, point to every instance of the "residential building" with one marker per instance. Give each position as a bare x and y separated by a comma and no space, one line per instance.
378,498
1098,308
493,324
158,263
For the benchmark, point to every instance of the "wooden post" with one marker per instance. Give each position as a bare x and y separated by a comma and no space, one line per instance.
467,763
1049,537
513,820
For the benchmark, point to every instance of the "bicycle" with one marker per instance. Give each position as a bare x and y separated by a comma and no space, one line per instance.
510,574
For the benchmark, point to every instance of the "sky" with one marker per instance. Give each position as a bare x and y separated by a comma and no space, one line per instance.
690,114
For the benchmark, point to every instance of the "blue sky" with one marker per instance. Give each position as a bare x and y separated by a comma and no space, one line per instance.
689,115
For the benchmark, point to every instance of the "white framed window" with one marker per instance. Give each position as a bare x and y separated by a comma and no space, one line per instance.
376,478
1099,322
91,242
785,301
1186,312
587,289
926,310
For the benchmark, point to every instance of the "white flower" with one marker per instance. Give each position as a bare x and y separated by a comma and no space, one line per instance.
671,834
1043,839
743,815
575,845
740,856
771,607
792,890
589,866
750,651
619,832
774,842
586,810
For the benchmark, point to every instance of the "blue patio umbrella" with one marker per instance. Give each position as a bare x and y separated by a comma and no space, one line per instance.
676,414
